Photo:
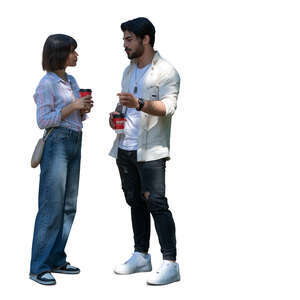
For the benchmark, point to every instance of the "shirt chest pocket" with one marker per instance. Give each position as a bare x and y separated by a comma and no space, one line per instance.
153,93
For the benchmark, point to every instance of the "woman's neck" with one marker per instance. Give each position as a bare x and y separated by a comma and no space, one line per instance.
61,73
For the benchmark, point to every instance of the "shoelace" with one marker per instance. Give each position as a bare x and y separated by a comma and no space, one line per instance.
47,276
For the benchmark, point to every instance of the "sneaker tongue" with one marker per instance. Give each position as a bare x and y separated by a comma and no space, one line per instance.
136,253
166,264
47,276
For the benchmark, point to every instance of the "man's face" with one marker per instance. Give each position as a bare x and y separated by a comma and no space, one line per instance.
132,45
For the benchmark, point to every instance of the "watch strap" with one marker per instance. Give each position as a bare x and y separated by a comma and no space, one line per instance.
141,104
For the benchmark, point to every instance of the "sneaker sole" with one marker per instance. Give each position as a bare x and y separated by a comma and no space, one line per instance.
65,272
142,270
160,284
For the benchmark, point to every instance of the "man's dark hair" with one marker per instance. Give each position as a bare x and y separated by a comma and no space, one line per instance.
56,51
140,27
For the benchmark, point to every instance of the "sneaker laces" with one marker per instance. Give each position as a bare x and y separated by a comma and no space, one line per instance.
47,275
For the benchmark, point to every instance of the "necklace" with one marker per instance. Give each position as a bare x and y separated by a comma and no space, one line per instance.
137,81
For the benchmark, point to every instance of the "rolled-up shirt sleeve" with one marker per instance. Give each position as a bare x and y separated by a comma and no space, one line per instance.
169,90
47,115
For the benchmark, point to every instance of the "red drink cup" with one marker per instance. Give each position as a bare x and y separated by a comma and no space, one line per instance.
85,92
119,123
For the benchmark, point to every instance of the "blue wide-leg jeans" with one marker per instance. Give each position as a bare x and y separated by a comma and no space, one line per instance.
58,190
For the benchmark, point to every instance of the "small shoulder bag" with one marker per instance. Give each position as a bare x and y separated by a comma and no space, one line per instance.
38,151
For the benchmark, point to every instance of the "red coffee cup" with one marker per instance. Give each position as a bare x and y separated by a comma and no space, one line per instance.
85,92
119,123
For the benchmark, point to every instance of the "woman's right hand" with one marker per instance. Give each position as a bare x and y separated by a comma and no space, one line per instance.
83,103
79,104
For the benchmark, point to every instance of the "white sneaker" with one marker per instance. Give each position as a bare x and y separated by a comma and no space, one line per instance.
167,273
138,262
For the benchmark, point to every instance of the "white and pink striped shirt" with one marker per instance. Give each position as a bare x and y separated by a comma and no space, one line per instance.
51,96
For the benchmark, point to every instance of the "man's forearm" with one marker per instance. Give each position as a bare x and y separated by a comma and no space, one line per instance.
155,108
151,107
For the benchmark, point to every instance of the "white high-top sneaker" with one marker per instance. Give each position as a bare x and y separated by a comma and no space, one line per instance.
167,273
138,262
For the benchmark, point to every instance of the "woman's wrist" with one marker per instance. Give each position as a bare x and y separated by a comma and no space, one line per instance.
73,106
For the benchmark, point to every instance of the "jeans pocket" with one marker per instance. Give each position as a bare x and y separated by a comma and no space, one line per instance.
158,163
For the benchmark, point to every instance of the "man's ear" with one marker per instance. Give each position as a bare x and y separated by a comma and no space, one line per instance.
146,40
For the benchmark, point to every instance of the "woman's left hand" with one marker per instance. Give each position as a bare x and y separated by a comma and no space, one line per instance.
87,110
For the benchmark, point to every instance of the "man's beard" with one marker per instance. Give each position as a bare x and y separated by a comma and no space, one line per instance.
137,53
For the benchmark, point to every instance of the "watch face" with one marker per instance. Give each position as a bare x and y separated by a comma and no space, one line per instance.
141,104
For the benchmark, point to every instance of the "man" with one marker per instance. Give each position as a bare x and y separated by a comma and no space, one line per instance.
150,87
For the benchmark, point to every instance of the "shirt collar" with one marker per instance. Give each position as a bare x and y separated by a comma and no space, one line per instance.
57,78
156,57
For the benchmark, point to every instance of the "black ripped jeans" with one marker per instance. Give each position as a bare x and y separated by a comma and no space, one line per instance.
143,184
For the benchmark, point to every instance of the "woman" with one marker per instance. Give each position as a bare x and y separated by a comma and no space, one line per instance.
59,106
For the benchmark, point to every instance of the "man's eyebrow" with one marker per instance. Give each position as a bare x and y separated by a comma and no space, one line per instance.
127,37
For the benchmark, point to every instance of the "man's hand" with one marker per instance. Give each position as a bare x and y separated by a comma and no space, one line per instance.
111,123
128,100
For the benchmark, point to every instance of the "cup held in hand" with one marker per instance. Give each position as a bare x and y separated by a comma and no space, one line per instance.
85,92
119,123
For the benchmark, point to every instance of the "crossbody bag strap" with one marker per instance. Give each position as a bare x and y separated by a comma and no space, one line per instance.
46,135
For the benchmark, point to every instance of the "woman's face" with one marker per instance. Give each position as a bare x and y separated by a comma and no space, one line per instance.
72,59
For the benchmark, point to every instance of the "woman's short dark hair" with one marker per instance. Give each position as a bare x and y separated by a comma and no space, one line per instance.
140,27
56,51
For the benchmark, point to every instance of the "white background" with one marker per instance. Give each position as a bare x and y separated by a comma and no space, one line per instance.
232,182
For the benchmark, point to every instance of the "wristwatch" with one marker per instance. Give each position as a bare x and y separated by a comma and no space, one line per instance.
141,104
